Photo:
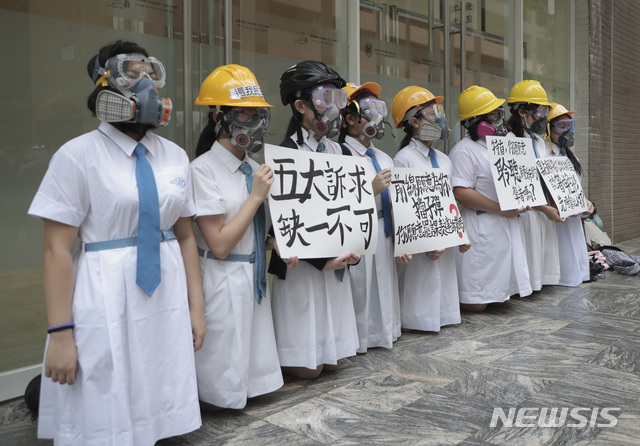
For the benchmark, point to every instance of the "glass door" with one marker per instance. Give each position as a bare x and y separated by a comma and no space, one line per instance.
481,52
419,43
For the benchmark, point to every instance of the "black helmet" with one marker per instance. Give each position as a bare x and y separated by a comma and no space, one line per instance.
305,75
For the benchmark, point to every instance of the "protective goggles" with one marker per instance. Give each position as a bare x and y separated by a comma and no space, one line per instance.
496,116
323,97
249,117
371,107
563,125
126,70
542,111
431,112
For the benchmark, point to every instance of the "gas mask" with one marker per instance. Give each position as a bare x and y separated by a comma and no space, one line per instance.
540,118
136,78
249,126
567,139
328,122
326,102
565,128
435,125
493,124
374,111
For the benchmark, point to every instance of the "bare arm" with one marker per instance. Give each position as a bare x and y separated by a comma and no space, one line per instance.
550,212
61,362
221,237
183,230
473,199
381,181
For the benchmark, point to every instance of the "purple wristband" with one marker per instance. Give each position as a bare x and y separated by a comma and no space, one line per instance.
55,328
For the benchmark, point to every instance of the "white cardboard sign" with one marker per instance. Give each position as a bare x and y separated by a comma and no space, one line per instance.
563,184
515,175
321,204
425,214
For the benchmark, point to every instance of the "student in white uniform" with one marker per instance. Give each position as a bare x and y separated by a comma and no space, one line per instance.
529,108
428,284
495,267
125,310
572,245
374,281
239,359
312,304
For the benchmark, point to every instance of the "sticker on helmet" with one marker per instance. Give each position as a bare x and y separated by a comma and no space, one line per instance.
245,91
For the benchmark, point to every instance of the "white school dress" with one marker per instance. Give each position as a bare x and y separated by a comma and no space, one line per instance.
136,382
428,288
374,281
495,267
541,239
312,310
572,246
238,359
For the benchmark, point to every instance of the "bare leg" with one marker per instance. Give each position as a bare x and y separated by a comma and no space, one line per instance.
303,372
476,308
331,367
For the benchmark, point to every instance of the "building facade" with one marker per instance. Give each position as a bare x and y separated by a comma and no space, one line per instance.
583,52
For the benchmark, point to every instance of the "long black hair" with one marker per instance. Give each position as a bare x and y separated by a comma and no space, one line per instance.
209,135
572,156
515,120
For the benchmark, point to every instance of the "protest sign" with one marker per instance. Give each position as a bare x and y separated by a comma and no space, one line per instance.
563,184
515,175
425,214
321,204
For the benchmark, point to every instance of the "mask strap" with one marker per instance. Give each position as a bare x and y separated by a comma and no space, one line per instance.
100,74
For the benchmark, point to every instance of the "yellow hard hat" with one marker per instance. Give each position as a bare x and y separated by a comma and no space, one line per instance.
353,89
528,91
408,98
231,85
476,101
558,110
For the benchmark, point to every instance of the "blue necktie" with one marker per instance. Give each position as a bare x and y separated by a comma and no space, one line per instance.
320,148
149,236
533,142
386,204
432,158
260,262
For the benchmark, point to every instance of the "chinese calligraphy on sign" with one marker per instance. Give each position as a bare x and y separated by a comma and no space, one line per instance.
321,204
515,175
563,184
425,213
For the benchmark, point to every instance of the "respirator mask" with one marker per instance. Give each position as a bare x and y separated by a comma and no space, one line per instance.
136,77
435,128
540,118
374,111
248,127
565,128
493,124
327,101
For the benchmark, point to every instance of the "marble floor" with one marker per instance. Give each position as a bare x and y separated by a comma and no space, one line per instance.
559,348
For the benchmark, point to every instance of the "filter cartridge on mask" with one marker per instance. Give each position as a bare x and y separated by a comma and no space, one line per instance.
249,139
567,139
539,126
430,131
328,122
373,129
485,129
140,104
